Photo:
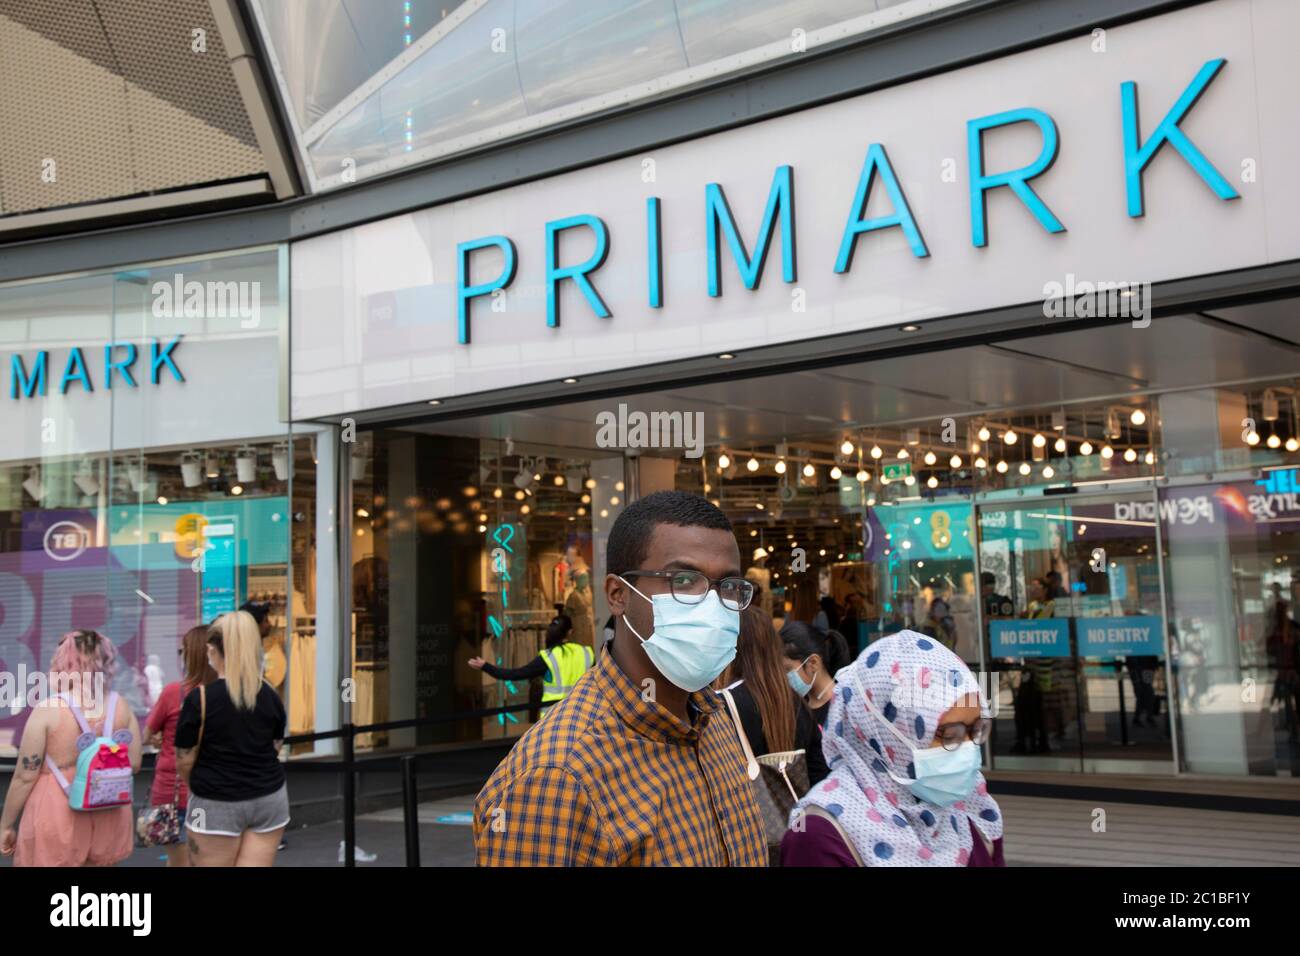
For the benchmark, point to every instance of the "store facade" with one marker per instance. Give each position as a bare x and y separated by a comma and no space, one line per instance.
149,479
938,350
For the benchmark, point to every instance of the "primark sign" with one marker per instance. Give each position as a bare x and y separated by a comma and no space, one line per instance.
1065,177
36,374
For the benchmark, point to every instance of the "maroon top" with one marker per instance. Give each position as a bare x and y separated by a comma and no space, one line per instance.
820,844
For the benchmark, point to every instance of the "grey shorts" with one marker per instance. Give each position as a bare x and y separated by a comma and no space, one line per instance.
234,817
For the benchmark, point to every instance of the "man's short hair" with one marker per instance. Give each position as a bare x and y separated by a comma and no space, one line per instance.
630,537
988,578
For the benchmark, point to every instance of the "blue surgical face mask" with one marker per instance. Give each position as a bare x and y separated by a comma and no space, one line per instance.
692,643
800,686
942,776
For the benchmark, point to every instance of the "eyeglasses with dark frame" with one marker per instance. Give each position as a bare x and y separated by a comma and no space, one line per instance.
952,735
691,587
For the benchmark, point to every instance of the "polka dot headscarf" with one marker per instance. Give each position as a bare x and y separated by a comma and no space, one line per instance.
911,680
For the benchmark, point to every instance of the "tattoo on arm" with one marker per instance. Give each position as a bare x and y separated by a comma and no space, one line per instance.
30,762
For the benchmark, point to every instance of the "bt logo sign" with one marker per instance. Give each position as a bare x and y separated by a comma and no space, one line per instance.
66,540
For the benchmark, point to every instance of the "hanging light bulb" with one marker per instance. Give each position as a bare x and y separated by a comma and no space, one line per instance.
724,460
912,436
809,471
752,464
984,433
932,481
1252,439
904,453
835,473
1048,471
1138,417
1085,449
1040,440
1001,467
1058,420
1292,444
954,461
930,458
1130,455
1024,468
863,476
1060,446
1151,458
846,448
981,463
876,451
909,481
1009,437
1107,452
1273,441
780,466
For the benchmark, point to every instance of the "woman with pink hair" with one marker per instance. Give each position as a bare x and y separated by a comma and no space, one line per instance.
51,832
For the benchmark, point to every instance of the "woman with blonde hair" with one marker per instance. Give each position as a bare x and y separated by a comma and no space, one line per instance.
52,833
227,750
167,788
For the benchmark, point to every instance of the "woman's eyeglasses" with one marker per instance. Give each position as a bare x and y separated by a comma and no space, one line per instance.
690,587
953,735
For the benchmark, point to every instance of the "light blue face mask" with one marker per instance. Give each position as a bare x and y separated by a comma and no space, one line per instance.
800,686
692,643
942,776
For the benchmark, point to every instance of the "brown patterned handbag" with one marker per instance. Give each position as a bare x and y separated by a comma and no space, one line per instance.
777,780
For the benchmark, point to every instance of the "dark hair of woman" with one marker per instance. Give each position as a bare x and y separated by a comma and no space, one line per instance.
802,640
194,658
758,664
557,632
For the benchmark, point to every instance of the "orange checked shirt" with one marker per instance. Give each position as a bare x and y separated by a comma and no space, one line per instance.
607,778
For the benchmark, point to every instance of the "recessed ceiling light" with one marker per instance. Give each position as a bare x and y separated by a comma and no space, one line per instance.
725,355
435,401
570,381
909,328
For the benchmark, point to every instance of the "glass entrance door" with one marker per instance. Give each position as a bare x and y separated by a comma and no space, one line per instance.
1075,634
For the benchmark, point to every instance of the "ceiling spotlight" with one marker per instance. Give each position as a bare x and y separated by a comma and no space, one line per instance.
1269,405
191,470
912,436
435,401
1024,468
162,499
752,464
1001,467
1112,424
246,464
211,468
780,466
836,473
33,485
760,553
1138,417
1107,451
909,328
724,460
1273,441
1060,446
1085,449
1009,437
86,480
280,462
135,474
1058,420
522,478
930,458
846,448
865,476
1040,440
984,433
954,461
573,480
809,470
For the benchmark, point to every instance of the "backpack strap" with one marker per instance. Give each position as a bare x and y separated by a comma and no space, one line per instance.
111,715
66,697
58,774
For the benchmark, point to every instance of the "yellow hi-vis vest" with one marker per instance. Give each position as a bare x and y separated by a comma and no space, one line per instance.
564,664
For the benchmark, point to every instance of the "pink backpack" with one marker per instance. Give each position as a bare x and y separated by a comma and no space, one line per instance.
103,775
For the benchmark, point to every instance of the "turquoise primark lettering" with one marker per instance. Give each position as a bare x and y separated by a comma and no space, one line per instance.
119,360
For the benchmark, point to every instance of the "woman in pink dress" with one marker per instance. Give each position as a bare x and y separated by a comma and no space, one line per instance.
161,728
51,832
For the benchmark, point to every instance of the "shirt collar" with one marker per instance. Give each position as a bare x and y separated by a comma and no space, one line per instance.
647,717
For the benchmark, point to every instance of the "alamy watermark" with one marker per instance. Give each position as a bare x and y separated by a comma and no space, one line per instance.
23,688
211,299
638,429
1081,299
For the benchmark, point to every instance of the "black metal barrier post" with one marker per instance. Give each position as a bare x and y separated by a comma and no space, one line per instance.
349,798
410,811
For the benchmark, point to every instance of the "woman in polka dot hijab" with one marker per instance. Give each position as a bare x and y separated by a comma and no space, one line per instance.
911,680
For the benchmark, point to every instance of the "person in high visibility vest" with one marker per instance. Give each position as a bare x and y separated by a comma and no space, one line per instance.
559,665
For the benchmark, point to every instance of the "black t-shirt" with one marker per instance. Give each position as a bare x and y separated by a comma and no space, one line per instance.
237,758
